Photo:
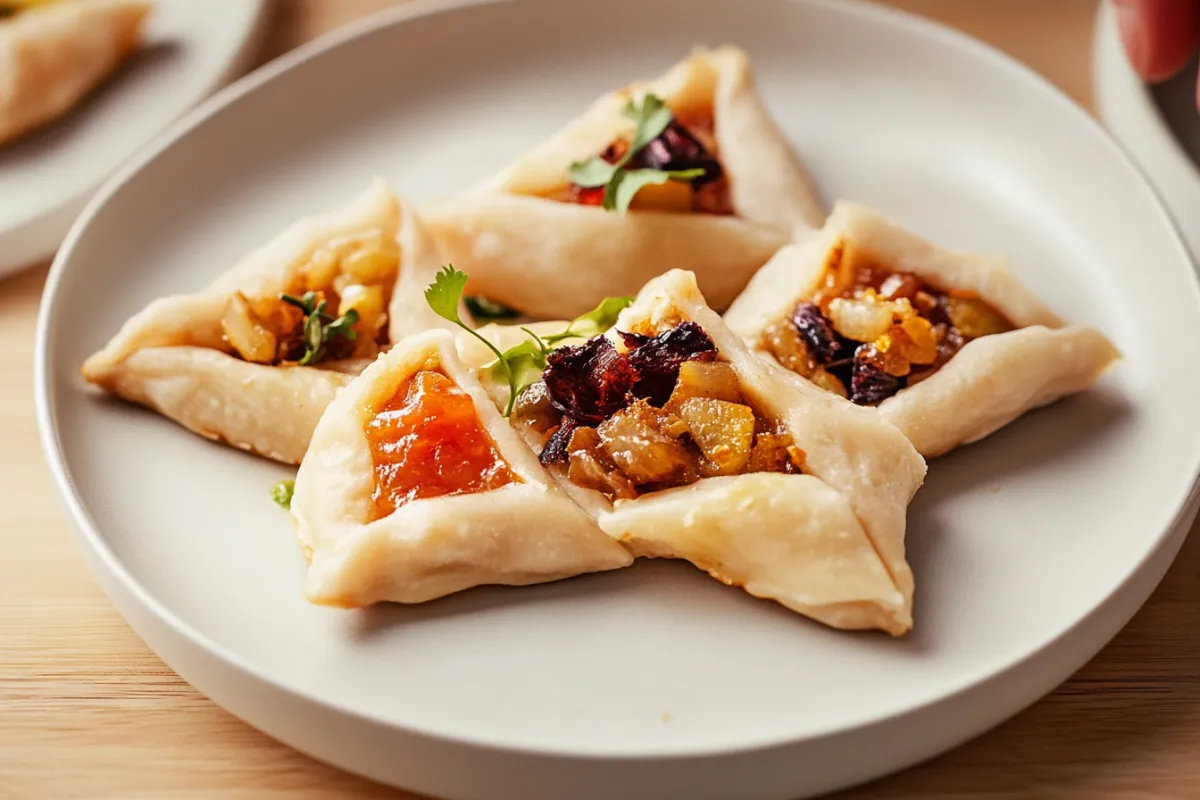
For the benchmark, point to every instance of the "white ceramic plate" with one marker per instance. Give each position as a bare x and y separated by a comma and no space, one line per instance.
1030,550
48,176
1159,125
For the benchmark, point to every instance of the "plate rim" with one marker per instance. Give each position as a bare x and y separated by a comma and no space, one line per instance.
96,547
1115,85
40,235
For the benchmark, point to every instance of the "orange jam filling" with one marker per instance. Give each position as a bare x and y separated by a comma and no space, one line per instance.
428,442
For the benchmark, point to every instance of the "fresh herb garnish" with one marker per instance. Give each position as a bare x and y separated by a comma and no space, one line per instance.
527,360
651,117
443,296
520,365
319,327
594,322
282,493
481,308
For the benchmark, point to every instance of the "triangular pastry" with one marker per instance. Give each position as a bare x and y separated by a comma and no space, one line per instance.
949,346
415,487
225,362
683,444
535,240
52,54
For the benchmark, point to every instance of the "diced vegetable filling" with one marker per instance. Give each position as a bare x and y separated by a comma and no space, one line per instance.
662,412
427,441
869,332
336,308
677,148
666,164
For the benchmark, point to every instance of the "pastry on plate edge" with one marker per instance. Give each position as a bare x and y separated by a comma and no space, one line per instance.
225,362
415,487
533,239
54,54
953,347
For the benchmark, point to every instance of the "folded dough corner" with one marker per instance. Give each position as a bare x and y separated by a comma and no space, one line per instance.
528,239
409,494
826,541
996,351
222,362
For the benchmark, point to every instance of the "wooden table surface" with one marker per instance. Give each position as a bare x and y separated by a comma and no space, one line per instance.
86,710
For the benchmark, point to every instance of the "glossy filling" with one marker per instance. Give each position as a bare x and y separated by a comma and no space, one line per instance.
869,332
662,412
679,147
428,442
337,308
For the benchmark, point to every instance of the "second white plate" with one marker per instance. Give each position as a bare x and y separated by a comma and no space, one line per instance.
1160,125
47,176
1030,549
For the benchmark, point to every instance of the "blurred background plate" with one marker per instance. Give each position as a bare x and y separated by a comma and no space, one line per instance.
1159,125
47,176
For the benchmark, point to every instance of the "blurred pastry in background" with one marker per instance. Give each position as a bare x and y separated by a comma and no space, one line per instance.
53,53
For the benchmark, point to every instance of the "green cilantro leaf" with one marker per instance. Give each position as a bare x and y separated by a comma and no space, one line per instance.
443,296
593,323
601,318
319,327
632,181
282,493
650,117
521,365
481,308
592,173
445,292
527,361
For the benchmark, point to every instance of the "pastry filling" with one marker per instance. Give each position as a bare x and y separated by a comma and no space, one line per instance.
869,332
336,308
666,164
661,412
427,441
677,148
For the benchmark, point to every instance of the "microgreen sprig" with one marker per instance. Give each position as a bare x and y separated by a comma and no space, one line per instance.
319,327
521,365
443,296
650,117
282,493
527,360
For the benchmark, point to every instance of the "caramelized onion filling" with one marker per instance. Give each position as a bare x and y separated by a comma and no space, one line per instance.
662,412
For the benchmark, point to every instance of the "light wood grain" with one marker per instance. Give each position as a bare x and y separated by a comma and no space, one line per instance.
87,711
